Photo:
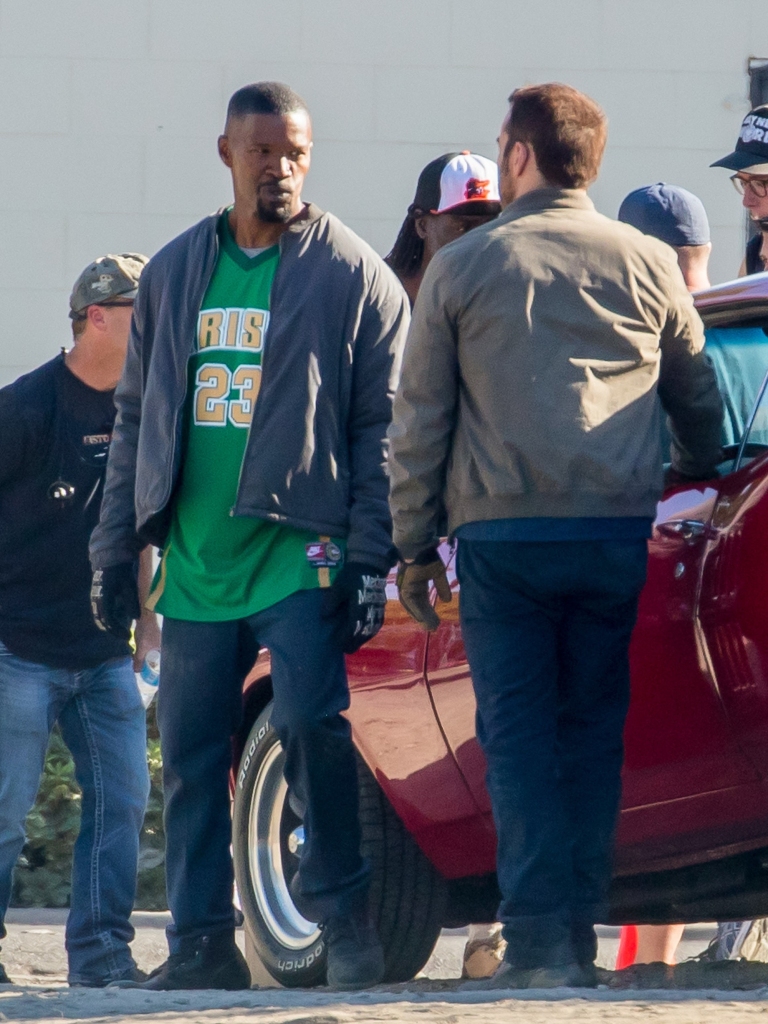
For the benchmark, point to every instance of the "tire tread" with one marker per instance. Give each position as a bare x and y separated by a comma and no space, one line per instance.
407,894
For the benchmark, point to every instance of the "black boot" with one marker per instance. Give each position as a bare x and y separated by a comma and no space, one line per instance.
584,940
355,956
4,979
211,961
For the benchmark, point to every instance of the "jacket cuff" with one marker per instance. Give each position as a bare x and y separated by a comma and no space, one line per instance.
116,554
382,563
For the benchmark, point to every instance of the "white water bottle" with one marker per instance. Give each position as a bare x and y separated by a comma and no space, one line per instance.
148,678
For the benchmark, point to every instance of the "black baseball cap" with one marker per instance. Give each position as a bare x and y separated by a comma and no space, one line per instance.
751,152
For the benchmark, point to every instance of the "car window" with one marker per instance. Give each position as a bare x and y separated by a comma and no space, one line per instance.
739,356
755,442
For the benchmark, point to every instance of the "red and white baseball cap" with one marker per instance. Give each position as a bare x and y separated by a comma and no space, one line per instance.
457,180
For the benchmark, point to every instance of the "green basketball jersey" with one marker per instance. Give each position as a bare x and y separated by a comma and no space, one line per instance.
217,566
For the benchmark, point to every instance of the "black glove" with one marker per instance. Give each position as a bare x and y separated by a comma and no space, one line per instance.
115,598
413,579
362,591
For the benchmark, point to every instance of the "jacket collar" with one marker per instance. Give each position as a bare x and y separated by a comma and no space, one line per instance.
547,199
309,215
301,222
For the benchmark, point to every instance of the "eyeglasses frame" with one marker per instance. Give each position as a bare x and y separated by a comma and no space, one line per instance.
742,184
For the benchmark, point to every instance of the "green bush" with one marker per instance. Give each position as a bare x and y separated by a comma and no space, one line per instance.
42,877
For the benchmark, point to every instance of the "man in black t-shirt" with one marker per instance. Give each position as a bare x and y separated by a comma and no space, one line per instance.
55,665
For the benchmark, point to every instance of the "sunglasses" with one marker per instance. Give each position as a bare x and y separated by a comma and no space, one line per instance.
757,186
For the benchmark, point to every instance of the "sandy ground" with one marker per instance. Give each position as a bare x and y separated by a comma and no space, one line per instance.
34,957
322,1007
33,952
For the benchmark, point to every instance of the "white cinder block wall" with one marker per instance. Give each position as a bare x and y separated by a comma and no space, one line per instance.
109,114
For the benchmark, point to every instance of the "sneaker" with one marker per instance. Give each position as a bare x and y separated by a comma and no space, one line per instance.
211,961
482,957
133,975
509,976
4,979
355,956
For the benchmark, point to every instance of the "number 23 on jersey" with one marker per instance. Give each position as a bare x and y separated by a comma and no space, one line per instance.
215,405
226,391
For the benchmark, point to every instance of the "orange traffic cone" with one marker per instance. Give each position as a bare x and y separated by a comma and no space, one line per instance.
627,947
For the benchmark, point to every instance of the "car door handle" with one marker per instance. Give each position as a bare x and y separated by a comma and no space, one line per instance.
689,529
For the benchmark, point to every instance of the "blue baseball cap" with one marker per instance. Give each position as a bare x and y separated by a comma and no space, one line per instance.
668,212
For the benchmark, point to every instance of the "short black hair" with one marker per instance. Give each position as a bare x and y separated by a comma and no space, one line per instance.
265,98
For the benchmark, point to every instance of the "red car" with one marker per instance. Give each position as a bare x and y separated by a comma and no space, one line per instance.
693,836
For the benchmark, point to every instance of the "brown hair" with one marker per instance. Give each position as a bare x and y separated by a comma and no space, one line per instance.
566,130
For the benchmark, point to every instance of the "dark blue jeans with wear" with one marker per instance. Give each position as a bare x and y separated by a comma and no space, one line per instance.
547,627
200,709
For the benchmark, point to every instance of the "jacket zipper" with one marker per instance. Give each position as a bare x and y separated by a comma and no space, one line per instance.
263,368
180,407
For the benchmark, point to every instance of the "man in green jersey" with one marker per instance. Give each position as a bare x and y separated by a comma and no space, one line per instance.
250,446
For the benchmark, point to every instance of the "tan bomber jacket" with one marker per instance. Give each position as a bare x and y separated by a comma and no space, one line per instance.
544,349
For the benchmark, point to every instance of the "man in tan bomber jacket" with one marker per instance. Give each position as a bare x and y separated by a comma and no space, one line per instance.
544,350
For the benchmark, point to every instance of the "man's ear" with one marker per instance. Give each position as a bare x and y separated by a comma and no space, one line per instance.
519,157
97,318
224,153
420,223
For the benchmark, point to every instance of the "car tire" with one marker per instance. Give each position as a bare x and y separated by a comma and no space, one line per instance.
407,894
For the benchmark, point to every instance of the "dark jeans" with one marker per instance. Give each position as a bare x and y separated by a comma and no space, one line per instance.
547,628
199,710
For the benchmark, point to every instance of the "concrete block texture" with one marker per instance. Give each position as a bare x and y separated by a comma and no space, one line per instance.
398,33
32,251
35,95
109,114
107,178
74,28
145,97
185,175
198,30
94,234
36,319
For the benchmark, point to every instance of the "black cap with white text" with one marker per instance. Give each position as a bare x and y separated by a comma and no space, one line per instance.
751,152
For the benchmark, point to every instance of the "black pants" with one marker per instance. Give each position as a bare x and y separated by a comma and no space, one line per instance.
547,628
199,709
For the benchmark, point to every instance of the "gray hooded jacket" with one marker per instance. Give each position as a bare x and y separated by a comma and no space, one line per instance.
316,452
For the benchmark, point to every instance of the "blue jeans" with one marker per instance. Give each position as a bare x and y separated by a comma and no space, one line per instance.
546,628
200,709
103,723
